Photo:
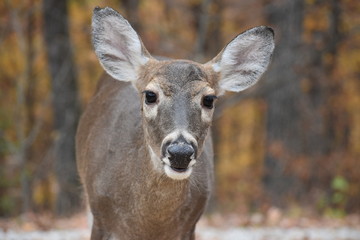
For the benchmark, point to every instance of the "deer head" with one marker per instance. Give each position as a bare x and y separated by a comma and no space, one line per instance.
178,96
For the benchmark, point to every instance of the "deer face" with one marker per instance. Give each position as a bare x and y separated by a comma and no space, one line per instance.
178,96
177,105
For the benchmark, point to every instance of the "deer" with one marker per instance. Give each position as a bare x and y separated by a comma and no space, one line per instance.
143,145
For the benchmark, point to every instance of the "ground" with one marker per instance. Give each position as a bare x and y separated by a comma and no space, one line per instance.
273,226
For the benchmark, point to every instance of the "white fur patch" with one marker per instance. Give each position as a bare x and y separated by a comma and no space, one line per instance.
192,162
154,159
177,175
151,111
171,137
175,134
216,66
166,161
188,137
206,115
90,218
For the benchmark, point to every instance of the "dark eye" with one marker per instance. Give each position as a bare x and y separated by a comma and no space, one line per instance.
150,97
208,101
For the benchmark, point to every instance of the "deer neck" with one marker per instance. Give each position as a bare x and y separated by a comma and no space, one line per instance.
156,195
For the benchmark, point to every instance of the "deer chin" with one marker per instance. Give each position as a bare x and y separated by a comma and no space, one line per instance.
175,173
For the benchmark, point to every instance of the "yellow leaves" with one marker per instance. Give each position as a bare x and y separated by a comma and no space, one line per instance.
12,58
239,151
310,2
44,192
355,133
316,20
349,57
347,75
88,67
353,107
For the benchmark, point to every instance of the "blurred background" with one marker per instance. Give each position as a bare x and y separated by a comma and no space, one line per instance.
290,143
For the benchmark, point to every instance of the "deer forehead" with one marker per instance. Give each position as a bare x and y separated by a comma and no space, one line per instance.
177,76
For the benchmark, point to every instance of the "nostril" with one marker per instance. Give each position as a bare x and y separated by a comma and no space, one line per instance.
164,149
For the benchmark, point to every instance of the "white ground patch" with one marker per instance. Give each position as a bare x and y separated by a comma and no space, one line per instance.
207,233
278,234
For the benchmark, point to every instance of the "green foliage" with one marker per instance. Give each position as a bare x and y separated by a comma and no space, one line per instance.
7,202
339,184
340,187
7,205
334,204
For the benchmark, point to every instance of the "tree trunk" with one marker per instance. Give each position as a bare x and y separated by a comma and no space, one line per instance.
284,130
298,129
65,103
201,14
31,80
208,29
131,11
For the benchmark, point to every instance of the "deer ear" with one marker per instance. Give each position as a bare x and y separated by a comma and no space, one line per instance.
117,45
242,62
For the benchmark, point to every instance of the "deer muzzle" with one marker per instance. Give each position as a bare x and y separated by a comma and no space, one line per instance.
179,152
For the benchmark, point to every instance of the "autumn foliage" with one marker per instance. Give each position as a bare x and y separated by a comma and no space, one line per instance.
291,142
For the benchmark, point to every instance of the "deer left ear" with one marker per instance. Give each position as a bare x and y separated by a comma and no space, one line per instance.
242,62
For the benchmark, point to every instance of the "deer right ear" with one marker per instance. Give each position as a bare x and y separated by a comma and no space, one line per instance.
242,62
117,45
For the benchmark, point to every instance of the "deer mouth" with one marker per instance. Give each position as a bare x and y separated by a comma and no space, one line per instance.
179,169
177,173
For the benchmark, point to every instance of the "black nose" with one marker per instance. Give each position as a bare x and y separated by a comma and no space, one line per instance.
180,155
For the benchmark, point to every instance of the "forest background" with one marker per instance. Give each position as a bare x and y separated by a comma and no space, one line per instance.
292,142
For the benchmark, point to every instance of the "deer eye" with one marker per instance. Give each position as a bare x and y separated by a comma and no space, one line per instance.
208,101
150,97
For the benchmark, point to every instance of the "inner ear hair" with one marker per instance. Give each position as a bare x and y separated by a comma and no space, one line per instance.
117,46
242,62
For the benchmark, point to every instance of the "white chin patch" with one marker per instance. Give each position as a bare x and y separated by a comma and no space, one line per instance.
177,175
171,173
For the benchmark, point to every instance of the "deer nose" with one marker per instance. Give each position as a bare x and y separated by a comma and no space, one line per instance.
180,156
